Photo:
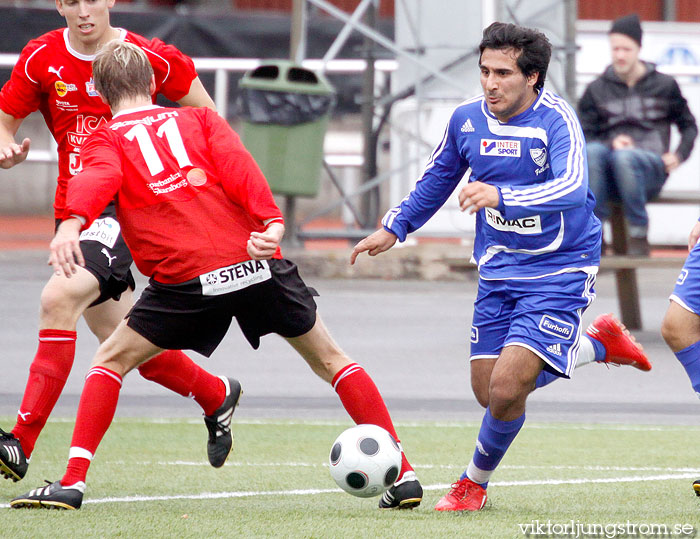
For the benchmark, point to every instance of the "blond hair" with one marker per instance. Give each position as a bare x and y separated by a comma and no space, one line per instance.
121,71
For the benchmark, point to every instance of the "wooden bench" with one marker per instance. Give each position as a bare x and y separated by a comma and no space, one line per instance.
624,266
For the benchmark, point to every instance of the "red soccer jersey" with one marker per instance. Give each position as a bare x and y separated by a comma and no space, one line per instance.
188,194
52,77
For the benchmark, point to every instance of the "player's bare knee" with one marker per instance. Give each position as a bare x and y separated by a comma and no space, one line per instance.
57,309
481,394
669,331
481,370
505,394
501,396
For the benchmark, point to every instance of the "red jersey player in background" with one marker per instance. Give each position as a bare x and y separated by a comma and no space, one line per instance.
201,222
54,75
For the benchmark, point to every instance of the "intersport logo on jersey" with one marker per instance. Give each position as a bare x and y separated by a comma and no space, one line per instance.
500,148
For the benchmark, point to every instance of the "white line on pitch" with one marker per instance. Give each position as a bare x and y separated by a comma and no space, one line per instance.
310,492
241,464
402,424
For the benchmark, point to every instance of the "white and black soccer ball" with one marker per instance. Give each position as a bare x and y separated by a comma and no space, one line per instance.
365,460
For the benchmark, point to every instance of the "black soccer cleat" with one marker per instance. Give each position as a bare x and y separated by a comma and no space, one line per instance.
405,494
52,496
13,463
696,487
219,425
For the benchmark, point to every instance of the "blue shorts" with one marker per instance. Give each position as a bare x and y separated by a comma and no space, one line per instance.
687,290
542,315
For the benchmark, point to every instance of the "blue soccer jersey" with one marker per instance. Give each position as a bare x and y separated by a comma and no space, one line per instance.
544,224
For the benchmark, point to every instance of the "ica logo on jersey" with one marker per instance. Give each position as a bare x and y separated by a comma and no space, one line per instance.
84,125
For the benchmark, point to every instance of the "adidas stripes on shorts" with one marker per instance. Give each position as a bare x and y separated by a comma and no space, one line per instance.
542,315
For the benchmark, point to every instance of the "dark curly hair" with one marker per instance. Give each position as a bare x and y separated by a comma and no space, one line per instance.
534,47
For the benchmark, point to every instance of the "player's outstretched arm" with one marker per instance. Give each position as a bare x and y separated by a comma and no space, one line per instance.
263,245
375,243
11,153
65,248
694,236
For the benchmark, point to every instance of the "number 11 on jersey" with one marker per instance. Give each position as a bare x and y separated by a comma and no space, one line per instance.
170,131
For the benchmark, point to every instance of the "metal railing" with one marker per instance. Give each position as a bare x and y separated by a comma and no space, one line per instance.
222,67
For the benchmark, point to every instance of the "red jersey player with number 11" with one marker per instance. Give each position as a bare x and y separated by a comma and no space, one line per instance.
54,75
201,222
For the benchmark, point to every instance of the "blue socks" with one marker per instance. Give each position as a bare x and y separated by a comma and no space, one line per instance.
598,348
690,359
495,437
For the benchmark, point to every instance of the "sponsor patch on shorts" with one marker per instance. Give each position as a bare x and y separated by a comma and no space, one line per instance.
474,336
105,230
235,277
554,326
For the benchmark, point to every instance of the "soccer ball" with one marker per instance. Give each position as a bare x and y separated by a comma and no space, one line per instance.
365,460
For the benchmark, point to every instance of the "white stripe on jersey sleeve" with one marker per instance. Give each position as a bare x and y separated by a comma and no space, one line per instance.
26,64
558,187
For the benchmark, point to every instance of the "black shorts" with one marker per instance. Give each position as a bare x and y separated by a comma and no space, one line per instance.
106,256
264,297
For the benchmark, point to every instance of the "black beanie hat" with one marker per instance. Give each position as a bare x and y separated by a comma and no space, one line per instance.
628,25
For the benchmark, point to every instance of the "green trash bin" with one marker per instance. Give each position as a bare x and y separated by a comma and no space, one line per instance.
284,110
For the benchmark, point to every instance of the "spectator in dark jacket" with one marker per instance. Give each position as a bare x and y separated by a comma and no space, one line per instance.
626,115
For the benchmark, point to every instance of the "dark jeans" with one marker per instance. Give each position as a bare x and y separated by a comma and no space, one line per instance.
632,177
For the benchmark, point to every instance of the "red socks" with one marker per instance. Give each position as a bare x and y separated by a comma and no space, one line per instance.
98,403
53,362
175,371
47,377
364,403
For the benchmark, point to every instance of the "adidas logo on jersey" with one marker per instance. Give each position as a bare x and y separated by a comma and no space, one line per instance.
467,126
554,349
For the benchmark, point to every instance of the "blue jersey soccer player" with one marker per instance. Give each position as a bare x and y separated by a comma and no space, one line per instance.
537,243
681,324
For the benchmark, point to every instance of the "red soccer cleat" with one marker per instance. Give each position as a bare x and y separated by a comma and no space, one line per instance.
465,495
621,348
